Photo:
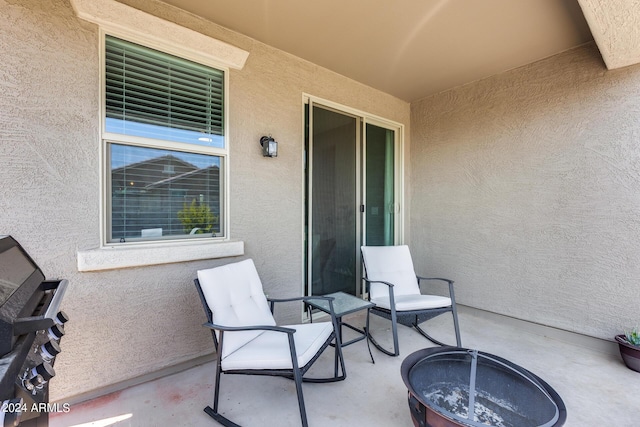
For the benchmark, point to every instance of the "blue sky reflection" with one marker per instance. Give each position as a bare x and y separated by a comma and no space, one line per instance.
127,127
125,155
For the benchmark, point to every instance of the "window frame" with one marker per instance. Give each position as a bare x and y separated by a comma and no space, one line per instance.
107,138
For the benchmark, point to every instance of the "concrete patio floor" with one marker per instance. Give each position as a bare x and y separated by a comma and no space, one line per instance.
589,375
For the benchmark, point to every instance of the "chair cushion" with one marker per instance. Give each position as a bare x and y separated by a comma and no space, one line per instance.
391,264
235,297
270,350
413,302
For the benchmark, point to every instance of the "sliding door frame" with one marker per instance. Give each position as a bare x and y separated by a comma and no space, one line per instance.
364,118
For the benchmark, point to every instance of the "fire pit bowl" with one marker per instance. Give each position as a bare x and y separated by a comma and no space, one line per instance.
445,382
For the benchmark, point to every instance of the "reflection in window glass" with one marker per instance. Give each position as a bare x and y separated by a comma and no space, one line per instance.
159,194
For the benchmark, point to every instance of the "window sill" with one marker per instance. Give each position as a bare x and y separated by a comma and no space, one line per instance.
115,257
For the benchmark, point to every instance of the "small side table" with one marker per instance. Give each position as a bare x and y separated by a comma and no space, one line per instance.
344,304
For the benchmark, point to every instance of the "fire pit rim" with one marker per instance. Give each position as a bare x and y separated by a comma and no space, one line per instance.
411,360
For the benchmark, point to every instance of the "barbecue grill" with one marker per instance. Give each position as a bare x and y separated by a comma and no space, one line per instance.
31,327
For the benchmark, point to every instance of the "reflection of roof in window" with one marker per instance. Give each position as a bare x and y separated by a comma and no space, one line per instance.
167,158
186,175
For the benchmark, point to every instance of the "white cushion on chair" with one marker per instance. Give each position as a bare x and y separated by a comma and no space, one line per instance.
270,350
413,302
235,296
391,264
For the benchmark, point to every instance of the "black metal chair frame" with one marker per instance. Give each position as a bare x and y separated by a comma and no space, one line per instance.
296,373
412,318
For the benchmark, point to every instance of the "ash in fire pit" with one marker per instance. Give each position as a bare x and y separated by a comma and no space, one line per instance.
488,410
445,382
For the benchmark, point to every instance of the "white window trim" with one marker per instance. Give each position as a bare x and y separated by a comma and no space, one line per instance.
149,30
115,257
132,24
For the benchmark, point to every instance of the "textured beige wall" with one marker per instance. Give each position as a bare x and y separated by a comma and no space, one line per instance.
130,322
615,25
526,191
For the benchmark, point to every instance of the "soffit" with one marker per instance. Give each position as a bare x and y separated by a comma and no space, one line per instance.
407,48
616,28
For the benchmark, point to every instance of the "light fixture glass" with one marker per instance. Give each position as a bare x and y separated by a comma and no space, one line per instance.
269,146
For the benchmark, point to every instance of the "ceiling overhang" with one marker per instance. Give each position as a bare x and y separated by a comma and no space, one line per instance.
412,49
615,25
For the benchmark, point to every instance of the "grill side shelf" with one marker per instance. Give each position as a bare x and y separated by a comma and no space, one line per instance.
52,300
45,302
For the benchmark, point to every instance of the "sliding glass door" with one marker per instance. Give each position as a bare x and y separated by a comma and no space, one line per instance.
351,186
379,186
333,200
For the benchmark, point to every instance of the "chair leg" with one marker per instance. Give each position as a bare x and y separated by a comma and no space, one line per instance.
456,325
216,389
366,332
435,341
394,331
297,377
454,313
338,346
213,412
303,412
340,356
219,418
339,365
427,336
394,327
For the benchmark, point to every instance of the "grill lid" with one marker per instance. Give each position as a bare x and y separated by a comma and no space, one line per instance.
28,303
15,267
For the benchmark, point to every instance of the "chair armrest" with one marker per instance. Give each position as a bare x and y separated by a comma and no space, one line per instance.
285,299
272,301
318,297
368,282
435,278
392,300
449,282
378,281
249,328
219,343
334,319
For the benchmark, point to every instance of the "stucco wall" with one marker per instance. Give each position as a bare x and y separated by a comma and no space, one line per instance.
526,191
127,323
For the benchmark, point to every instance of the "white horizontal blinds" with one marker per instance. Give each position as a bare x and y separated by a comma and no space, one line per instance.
154,94
160,194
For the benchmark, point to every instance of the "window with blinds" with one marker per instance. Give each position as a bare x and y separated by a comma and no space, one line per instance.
173,190
157,95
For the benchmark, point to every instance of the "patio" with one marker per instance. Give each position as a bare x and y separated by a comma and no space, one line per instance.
522,186
589,375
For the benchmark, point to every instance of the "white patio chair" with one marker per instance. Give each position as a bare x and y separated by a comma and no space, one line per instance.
247,339
395,289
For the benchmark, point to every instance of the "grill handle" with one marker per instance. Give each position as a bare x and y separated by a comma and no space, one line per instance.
25,325
54,307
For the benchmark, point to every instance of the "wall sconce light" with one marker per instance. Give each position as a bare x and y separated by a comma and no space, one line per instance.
269,146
